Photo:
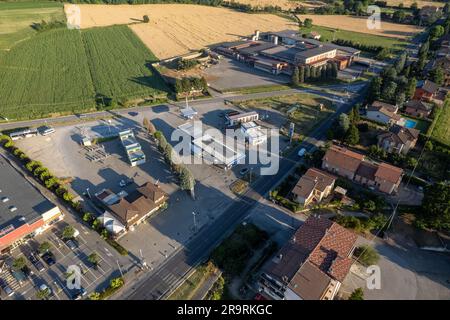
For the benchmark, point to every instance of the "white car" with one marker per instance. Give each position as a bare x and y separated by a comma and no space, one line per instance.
302,152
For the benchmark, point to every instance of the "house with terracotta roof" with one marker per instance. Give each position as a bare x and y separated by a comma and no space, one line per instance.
342,161
313,186
384,113
417,108
312,265
354,166
426,91
398,139
130,209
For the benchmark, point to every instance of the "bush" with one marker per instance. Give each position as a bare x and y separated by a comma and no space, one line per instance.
358,294
367,255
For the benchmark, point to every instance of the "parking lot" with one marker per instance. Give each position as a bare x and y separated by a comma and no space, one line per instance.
54,276
231,74
162,234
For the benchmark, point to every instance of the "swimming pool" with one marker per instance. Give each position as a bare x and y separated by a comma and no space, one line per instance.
410,123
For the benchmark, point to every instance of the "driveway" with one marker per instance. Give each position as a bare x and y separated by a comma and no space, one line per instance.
407,273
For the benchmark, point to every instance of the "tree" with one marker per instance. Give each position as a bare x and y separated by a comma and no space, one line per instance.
44,247
187,181
87,217
436,32
68,232
389,90
95,296
435,211
308,23
295,77
357,294
344,124
401,62
428,146
410,88
19,263
437,76
400,98
375,89
93,258
354,116
352,135
116,283
301,77
43,294
367,255
307,73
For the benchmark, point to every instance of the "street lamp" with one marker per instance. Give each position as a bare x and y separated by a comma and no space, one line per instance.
195,222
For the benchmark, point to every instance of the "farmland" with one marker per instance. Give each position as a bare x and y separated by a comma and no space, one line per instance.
359,25
176,29
16,19
118,62
61,71
283,4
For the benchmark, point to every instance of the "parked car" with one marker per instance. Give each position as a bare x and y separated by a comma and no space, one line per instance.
244,171
36,262
123,183
49,258
79,293
72,244
5,287
19,275
302,152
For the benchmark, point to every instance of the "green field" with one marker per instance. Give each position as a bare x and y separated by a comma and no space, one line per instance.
329,34
441,131
16,19
62,71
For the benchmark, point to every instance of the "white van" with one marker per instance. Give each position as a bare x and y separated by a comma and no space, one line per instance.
302,152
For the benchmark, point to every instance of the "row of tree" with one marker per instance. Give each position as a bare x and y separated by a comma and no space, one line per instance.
304,74
187,85
187,180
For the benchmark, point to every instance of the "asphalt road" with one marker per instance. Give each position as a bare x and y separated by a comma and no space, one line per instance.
161,281
100,114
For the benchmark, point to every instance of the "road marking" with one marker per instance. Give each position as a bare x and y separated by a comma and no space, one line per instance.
108,253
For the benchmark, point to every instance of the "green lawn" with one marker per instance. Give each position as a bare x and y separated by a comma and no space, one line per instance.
62,71
16,19
441,131
328,34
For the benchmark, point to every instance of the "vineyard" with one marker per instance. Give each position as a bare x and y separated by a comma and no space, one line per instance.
63,71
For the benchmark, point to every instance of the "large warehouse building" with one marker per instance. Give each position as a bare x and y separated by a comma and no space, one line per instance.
280,52
24,211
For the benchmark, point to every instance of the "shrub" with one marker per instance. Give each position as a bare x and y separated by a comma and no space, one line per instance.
357,294
367,255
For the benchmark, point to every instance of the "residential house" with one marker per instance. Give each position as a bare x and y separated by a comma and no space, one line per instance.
342,161
398,139
354,166
426,91
384,113
418,108
312,265
129,209
313,186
